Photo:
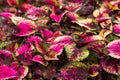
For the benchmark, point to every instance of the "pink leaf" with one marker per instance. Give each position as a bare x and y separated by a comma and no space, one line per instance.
7,72
116,29
47,34
114,49
24,48
63,40
39,59
56,48
6,53
6,15
93,38
26,28
23,71
34,39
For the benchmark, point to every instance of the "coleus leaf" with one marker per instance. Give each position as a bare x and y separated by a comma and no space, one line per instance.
63,40
6,15
26,28
51,55
102,11
4,44
35,13
86,23
114,49
47,34
12,47
6,57
111,65
73,16
94,70
34,39
53,2
16,20
105,33
23,71
113,5
116,29
73,71
13,2
75,54
24,48
55,16
7,72
6,53
39,59
56,48
26,58
102,19
92,38
41,47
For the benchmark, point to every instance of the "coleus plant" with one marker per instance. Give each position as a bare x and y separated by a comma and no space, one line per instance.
59,39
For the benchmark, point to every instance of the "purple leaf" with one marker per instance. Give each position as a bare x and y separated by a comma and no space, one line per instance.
114,49
111,65
116,29
7,72
6,53
26,58
76,71
94,70
26,28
